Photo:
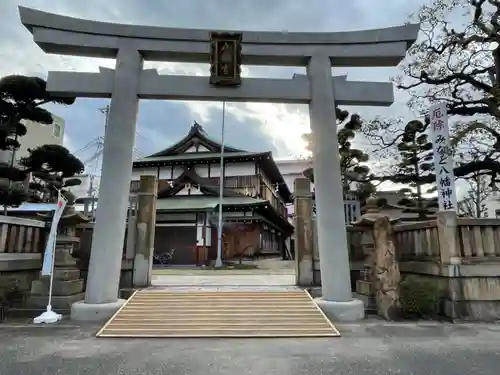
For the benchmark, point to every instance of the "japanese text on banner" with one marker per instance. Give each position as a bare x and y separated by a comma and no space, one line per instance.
443,158
48,258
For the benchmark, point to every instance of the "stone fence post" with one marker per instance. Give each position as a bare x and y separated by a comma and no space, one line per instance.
145,236
304,246
449,244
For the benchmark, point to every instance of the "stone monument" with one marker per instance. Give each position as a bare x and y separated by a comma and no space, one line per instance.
381,275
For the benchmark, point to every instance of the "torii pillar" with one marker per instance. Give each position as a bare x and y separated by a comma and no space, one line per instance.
336,300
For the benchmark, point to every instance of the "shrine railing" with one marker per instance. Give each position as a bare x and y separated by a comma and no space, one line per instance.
19,235
417,241
479,238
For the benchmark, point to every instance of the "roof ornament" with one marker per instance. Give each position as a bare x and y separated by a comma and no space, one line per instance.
197,127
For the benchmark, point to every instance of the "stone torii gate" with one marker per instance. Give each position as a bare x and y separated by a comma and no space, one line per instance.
125,85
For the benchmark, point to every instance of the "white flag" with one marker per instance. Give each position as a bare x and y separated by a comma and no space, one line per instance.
48,258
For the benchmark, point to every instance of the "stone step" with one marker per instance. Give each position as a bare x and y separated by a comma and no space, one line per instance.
66,274
58,302
59,287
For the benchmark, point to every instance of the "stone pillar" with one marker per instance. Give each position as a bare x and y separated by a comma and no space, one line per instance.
101,298
336,301
449,245
304,254
451,260
364,286
146,224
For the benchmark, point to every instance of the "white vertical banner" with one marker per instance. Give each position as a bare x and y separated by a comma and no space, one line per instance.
48,257
49,316
443,158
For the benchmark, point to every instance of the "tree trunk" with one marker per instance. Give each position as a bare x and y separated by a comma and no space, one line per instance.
478,196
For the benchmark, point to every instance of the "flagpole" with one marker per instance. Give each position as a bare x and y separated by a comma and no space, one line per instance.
50,316
51,282
218,261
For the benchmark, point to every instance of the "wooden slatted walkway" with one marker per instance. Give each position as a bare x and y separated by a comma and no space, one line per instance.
160,313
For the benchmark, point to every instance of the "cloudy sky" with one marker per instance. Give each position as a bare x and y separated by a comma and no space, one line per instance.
250,126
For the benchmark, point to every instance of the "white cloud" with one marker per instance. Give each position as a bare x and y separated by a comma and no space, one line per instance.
68,143
284,124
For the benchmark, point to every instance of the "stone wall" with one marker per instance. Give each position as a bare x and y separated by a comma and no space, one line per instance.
461,257
20,270
22,242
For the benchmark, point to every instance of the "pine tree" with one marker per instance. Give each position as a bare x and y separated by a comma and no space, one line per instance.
354,173
21,98
416,161
52,168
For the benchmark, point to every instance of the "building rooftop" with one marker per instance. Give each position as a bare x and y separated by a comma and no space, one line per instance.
196,147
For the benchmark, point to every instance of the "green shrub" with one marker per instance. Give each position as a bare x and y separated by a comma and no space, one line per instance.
419,297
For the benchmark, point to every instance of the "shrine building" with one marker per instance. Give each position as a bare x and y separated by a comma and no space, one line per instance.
255,196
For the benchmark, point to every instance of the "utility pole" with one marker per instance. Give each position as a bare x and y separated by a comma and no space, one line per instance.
105,111
100,146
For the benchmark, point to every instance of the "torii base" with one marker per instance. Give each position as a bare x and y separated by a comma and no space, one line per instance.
342,311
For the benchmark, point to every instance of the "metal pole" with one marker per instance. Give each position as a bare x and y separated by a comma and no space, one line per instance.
51,281
218,261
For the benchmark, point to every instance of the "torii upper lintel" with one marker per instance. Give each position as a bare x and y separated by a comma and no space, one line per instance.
74,36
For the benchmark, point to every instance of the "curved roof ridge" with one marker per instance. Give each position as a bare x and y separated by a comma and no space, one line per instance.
196,132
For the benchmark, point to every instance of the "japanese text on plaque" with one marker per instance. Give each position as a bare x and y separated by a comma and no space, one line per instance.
443,158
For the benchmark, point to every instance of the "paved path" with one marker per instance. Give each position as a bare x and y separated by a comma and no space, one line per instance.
270,272
219,279
364,349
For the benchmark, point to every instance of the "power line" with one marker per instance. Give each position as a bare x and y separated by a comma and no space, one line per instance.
88,145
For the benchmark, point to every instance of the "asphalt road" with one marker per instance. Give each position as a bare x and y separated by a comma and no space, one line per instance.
371,347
